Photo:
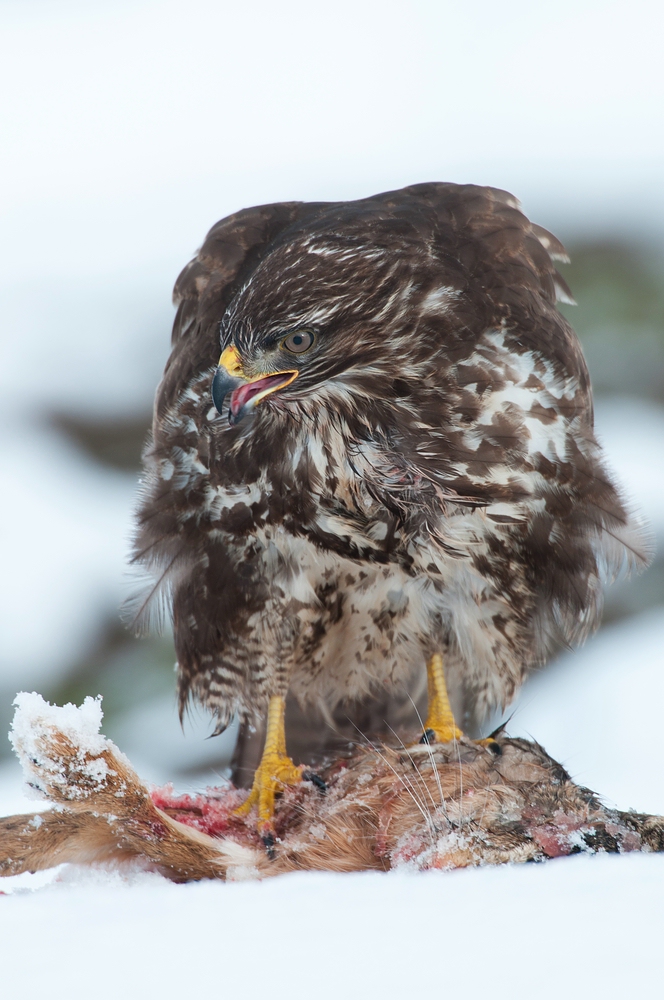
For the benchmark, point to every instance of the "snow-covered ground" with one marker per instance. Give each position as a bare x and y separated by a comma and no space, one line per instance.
578,927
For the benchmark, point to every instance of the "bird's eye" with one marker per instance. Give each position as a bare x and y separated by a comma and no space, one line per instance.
298,342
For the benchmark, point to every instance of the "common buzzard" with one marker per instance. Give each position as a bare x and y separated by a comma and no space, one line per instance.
393,462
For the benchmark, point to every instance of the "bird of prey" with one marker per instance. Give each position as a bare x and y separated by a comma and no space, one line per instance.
373,452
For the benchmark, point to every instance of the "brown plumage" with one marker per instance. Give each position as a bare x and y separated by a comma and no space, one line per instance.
430,480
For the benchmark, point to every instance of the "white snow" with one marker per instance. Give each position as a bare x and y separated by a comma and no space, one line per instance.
577,927
80,724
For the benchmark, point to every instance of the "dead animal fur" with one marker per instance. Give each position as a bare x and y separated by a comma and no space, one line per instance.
446,806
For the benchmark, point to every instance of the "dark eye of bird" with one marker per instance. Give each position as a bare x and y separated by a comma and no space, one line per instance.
298,342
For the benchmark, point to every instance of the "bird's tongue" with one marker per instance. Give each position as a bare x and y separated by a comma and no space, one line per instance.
241,396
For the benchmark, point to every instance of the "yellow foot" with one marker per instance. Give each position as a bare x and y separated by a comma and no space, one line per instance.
275,771
440,726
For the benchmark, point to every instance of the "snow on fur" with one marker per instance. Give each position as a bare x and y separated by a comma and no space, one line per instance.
34,723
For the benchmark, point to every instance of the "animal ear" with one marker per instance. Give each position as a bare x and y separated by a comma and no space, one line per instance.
231,251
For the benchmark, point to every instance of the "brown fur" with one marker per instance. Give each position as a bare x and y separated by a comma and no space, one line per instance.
446,806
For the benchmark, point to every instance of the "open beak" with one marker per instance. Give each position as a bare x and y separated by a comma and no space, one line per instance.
245,393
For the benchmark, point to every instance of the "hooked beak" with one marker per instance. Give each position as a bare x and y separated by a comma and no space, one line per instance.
245,393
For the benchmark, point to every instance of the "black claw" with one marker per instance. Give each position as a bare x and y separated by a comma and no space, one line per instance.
316,780
495,748
268,843
428,737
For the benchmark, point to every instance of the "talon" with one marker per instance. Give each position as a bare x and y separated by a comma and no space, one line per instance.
491,745
316,780
428,737
269,842
274,772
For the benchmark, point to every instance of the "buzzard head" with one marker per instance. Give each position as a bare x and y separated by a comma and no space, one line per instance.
332,317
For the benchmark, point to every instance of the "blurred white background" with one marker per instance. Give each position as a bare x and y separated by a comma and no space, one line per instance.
129,128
